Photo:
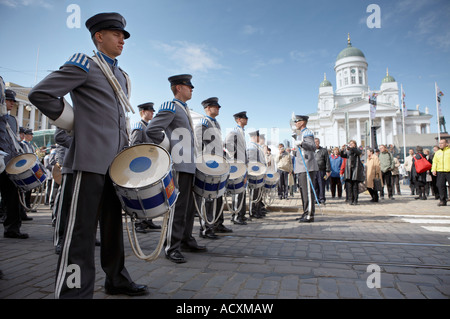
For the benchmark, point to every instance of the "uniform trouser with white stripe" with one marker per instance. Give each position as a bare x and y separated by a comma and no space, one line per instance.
181,222
210,214
308,198
63,207
94,201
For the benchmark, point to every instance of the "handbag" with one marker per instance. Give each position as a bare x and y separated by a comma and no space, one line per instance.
377,185
361,187
285,163
422,164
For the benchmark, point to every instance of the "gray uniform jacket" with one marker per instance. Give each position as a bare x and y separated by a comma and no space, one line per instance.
6,143
235,145
173,120
256,154
99,120
308,148
209,136
138,135
27,147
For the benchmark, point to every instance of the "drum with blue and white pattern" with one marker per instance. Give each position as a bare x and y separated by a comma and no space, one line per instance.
237,182
26,172
256,173
143,179
211,176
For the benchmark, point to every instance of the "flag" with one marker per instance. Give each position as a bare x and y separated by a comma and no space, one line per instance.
373,104
439,94
405,111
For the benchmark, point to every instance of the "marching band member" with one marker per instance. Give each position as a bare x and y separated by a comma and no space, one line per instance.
236,150
174,119
138,136
256,155
209,137
100,133
305,140
9,191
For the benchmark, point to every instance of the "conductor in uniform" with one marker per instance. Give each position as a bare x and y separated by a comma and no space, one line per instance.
174,121
236,151
9,191
99,134
305,141
138,136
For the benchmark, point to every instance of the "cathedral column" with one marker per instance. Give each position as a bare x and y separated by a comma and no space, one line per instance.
43,122
383,131
358,131
20,114
336,130
394,126
32,117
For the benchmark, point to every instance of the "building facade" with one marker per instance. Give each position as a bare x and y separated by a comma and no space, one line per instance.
344,114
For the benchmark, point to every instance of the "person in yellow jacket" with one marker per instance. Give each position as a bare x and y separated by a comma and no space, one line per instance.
441,169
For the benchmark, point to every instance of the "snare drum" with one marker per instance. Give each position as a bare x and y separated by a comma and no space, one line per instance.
271,180
26,172
211,175
143,180
256,172
237,182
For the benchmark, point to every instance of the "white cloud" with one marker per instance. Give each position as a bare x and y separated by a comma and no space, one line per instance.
250,30
26,3
190,56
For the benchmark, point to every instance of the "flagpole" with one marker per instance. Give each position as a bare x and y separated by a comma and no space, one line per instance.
403,124
438,115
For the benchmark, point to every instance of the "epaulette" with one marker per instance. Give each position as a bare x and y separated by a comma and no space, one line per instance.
205,122
307,132
168,106
80,60
138,126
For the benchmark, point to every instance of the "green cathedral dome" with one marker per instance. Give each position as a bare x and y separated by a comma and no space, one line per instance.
349,51
325,82
387,78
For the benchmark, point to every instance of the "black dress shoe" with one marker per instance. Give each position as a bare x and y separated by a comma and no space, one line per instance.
239,222
194,249
15,235
26,218
208,235
150,225
223,229
176,257
307,220
132,289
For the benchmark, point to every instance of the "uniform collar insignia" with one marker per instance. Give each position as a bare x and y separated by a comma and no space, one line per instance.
110,61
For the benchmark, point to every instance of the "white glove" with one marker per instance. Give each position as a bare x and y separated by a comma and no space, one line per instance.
298,143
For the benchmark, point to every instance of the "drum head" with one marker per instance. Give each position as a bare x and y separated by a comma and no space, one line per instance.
273,176
214,165
21,163
140,165
237,170
256,169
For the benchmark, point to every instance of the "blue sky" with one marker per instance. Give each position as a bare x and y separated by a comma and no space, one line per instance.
266,57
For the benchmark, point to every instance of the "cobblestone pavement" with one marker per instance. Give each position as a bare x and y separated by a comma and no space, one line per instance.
336,257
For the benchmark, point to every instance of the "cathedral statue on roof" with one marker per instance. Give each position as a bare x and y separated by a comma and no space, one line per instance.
344,114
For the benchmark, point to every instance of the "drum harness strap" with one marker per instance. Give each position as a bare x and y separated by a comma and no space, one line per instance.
123,99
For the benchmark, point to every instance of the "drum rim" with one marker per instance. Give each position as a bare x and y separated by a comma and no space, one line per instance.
136,146
12,161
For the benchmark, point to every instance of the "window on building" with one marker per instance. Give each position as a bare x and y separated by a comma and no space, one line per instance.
353,80
360,80
346,81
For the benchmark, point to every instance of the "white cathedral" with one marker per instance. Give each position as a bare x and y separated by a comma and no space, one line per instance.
344,114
